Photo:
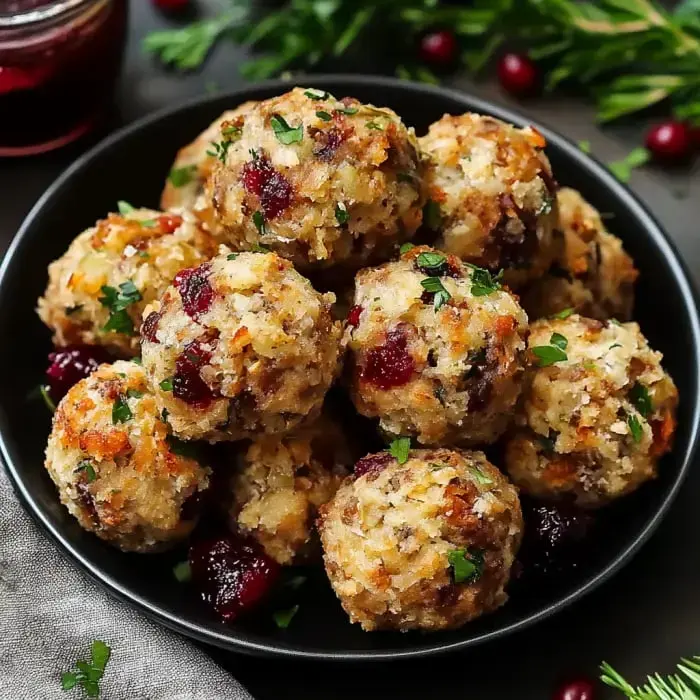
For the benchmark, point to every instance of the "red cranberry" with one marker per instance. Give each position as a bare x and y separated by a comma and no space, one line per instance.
576,689
389,365
354,315
518,74
169,223
71,364
271,187
372,463
188,385
149,327
22,78
438,48
670,141
195,290
232,575
171,5
328,142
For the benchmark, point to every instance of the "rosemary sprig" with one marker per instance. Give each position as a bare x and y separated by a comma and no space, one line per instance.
684,685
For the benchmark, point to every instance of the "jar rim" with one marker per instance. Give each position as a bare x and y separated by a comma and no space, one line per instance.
43,13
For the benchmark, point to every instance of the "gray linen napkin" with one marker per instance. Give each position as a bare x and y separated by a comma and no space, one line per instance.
50,613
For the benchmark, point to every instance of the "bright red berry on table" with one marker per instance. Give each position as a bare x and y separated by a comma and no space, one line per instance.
171,5
518,74
670,141
576,689
438,48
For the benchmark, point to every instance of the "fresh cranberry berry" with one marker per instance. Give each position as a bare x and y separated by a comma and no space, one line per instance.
195,290
149,327
232,575
169,223
22,78
389,365
517,74
171,5
576,689
269,185
438,48
354,315
670,141
188,385
71,364
372,463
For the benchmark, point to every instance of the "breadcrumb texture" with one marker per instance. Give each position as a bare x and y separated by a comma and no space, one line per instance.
584,433
496,195
144,247
122,480
387,535
259,357
594,276
450,376
281,481
345,192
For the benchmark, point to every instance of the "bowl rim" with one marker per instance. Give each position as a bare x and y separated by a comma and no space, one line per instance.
229,641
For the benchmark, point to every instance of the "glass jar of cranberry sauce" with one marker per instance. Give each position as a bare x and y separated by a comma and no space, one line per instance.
59,61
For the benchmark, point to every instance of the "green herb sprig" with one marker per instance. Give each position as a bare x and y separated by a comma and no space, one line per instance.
89,673
684,685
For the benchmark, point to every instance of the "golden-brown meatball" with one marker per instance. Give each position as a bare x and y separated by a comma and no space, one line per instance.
437,348
194,162
427,544
281,481
594,275
99,288
240,346
319,180
492,195
598,413
117,469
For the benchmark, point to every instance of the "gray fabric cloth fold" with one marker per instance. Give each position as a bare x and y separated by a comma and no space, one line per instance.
50,613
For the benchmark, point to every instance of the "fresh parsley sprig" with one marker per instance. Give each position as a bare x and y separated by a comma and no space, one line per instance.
89,673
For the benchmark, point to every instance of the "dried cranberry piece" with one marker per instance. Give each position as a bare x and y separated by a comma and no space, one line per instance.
372,463
328,142
169,223
195,290
271,187
389,365
71,364
354,315
232,575
149,327
188,385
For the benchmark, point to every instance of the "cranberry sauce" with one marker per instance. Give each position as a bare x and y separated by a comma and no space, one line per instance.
232,575
195,291
269,185
354,315
188,385
372,463
71,364
389,365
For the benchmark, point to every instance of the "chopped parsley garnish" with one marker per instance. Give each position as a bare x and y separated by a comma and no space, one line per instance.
434,286
316,94
232,256
564,313
220,149
148,223
400,448
89,674
548,355
125,208
87,467
283,618
179,177
431,261
285,133
233,132
374,125
136,360
590,365
255,248
348,110
167,384
559,340
259,221
70,310
405,248
182,448
324,115
483,282
342,216
117,301
615,345
121,412
635,427
480,477
584,146
639,396
134,393
182,571
467,566
432,215
546,206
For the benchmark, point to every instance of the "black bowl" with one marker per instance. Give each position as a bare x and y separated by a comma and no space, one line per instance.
132,165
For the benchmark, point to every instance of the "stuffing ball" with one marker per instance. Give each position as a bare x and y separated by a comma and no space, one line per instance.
117,469
492,195
194,164
427,544
280,483
320,181
239,346
598,413
98,290
437,349
594,275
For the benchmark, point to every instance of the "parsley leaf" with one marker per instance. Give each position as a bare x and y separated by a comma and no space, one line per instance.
584,146
559,340
87,467
88,675
285,133
316,94
432,215
125,208
405,248
467,566
431,261
324,116
564,313
167,384
639,396
483,282
182,571
635,427
622,169
134,393
283,618
232,256
182,447
375,126
348,110
342,216
480,477
220,149
434,286
117,300
121,412
179,177
259,221
548,355
400,448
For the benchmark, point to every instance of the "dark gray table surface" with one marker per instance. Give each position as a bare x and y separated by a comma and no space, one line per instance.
641,621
